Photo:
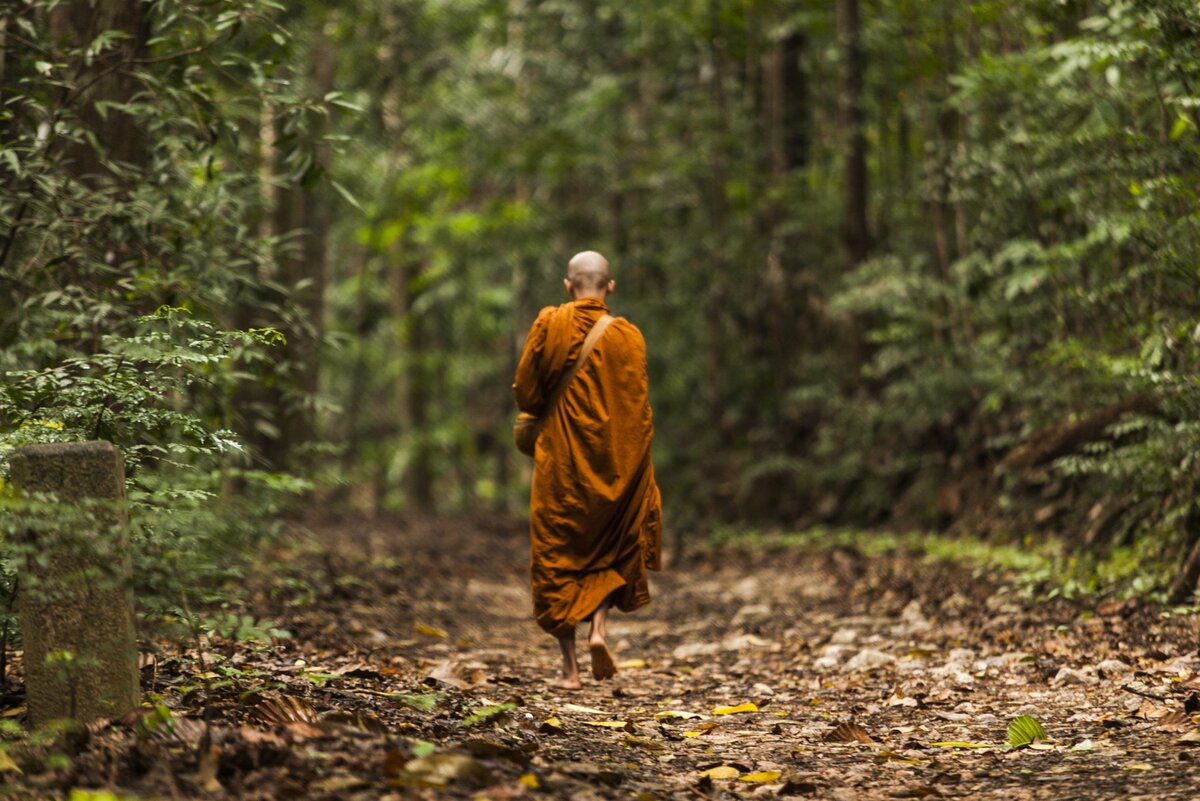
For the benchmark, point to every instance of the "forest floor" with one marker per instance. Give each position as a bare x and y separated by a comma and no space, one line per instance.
414,671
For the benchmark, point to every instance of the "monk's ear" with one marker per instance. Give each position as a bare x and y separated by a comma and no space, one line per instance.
567,286
612,286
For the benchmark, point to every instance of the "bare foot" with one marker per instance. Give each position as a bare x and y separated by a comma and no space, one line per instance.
603,666
567,684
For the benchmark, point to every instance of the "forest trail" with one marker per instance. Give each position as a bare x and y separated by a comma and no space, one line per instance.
415,670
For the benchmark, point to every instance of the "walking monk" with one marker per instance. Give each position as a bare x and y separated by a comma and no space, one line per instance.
595,512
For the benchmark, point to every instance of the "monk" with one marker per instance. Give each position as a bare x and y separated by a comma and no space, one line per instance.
595,511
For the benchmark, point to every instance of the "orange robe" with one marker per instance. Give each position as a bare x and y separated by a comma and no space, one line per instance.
595,511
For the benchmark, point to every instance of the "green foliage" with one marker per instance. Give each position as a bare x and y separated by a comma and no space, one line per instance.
131,196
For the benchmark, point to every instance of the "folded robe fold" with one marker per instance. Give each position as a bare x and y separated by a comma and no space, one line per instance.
595,510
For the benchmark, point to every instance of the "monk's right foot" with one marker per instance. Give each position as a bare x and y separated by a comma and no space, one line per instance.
603,666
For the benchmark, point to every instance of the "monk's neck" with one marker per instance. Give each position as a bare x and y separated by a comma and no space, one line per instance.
586,300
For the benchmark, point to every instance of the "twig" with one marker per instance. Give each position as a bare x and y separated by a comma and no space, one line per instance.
1129,688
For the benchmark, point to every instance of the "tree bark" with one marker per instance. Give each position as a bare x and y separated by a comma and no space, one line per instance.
852,120
108,77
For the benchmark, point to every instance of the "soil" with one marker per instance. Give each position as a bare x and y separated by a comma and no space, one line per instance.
414,670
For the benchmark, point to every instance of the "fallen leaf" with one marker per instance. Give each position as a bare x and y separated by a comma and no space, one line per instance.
761,777
587,710
6,763
438,770
431,631
1024,730
530,780
721,772
423,702
1175,721
692,733
734,710
606,724
676,713
1191,737
631,664
644,742
848,732
282,710
1140,766
956,744
486,713
14,712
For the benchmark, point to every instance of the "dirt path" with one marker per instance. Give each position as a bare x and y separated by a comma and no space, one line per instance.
416,671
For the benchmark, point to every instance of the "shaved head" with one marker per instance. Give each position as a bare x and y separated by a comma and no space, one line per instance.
587,274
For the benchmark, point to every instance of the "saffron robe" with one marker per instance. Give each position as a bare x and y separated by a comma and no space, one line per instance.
595,510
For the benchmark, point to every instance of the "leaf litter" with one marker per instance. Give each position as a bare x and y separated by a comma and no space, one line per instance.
757,670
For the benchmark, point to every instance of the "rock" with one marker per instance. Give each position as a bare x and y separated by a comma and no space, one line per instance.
960,656
447,768
955,605
844,637
832,656
741,642
1113,667
76,597
693,649
1005,660
912,619
868,659
751,612
1071,676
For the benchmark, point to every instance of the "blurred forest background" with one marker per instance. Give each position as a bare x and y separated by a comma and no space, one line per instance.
926,265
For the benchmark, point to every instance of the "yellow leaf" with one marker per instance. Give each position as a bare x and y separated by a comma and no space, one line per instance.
631,664
676,713
6,763
208,674
1140,766
733,710
761,776
553,723
14,712
607,724
431,631
530,780
722,772
692,733
587,710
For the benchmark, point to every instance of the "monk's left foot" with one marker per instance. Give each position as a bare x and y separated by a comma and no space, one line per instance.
603,666
568,684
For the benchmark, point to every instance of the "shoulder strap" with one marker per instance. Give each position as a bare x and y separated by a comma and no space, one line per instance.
589,344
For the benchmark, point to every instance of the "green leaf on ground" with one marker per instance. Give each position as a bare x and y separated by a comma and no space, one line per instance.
484,714
422,702
1024,730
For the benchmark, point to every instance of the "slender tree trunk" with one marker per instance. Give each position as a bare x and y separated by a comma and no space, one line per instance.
852,120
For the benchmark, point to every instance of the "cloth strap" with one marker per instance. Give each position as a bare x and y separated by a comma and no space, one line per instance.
589,345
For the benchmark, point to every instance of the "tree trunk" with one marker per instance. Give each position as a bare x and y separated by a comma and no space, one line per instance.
108,77
852,120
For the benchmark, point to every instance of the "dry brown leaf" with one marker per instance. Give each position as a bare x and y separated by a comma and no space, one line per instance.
1175,721
1149,710
848,732
281,710
1192,737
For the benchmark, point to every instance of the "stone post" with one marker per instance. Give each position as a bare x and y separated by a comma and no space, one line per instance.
75,594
